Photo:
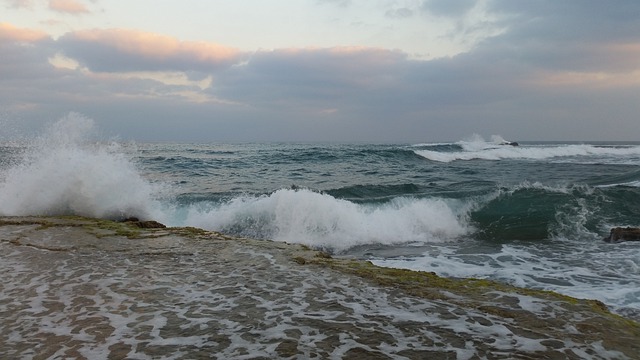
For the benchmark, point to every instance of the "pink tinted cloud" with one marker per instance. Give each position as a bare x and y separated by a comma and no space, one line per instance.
144,48
68,6
9,32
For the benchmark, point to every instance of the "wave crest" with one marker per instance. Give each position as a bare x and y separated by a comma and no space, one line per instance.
320,220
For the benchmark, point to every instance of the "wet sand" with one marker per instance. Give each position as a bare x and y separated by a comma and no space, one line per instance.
86,288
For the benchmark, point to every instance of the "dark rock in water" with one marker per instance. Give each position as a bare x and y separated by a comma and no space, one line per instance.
623,234
512,143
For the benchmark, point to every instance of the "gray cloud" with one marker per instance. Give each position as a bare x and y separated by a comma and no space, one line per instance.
571,20
320,76
452,8
399,13
569,35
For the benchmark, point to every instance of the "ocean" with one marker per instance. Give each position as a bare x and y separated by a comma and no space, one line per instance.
532,215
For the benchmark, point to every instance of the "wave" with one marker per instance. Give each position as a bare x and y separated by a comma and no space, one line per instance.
532,211
321,220
627,179
498,149
375,193
523,212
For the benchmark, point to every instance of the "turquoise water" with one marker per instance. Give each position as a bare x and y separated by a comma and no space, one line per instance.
532,215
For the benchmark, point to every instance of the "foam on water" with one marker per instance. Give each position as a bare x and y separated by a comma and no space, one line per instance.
64,173
575,269
304,216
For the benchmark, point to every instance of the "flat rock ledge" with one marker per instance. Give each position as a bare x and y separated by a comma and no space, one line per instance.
86,288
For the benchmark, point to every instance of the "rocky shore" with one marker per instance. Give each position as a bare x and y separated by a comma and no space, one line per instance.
88,288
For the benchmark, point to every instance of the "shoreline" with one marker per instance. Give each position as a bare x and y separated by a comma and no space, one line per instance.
318,305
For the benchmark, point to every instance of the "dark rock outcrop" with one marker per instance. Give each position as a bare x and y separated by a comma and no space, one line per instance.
623,234
149,224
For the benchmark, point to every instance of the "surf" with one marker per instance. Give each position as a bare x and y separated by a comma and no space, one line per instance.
323,221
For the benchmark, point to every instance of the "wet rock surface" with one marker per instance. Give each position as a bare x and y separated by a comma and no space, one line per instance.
623,234
86,288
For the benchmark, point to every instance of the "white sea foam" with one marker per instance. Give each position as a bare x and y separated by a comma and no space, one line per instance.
64,173
582,270
316,219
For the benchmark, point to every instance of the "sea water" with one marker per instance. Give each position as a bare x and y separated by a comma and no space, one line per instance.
532,215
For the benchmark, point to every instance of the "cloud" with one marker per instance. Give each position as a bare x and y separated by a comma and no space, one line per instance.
572,36
400,13
313,77
450,8
571,19
68,6
11,33
130,50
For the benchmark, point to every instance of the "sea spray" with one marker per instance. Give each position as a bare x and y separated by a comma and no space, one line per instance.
63,172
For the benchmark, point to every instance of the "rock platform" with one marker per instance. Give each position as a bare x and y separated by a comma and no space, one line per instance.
88,288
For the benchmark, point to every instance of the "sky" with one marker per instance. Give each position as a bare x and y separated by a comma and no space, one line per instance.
398,71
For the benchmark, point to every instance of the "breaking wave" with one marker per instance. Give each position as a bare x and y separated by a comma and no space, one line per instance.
304,216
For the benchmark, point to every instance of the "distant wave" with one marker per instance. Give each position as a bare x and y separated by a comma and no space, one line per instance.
481,150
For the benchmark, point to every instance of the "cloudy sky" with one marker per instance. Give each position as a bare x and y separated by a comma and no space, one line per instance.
324,70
